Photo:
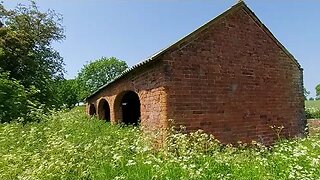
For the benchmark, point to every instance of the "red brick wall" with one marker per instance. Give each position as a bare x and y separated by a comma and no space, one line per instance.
231,79
234,81
148,83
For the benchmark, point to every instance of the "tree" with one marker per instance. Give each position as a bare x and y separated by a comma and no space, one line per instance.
16,100
68,92
97,73
318,92
26,52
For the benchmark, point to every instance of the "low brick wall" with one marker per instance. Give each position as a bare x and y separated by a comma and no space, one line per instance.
314,125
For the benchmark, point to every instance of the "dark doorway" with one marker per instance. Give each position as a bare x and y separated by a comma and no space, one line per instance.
130,105
92,110
104,110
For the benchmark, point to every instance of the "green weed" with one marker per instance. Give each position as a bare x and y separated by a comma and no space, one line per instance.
68,145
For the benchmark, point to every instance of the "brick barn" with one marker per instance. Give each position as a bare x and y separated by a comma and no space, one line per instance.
231,78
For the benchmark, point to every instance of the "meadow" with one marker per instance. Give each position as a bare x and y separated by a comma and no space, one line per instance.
312,109
69,145
313,104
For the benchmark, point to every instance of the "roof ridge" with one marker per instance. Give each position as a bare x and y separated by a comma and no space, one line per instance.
162,51
270,34
155,55
180,41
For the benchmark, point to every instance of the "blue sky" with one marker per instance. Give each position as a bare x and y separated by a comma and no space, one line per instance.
133,30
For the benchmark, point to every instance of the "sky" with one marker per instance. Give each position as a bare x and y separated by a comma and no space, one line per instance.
133,30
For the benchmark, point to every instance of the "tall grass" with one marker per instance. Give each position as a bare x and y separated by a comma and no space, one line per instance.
313,109
68,145
313,104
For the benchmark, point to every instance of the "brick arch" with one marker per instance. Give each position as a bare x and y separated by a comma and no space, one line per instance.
92,110
104,109
127,108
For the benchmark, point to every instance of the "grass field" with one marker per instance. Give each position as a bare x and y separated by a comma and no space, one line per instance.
312,109
68,145
314,104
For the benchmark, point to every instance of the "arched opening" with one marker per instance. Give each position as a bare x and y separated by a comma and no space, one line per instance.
92,110
104,110
130,108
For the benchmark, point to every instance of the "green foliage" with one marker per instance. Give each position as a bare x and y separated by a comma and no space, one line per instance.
313,109
16,101
313,113
313,104
318,92
68,145
68,92
97,73
26,52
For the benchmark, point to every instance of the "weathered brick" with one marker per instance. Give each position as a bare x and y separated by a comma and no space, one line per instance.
231,78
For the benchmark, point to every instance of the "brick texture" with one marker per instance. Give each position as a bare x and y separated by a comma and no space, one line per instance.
148,83
230,79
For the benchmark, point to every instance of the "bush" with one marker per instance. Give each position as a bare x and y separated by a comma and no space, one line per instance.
313,113
16,101
67,93
68,145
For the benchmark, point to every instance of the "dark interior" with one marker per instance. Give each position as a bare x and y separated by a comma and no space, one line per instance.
105,110
130,108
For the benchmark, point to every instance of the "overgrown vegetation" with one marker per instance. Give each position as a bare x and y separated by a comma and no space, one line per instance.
30,68
312,104
68,145
313,109
32,71
313,113
26,51
17,102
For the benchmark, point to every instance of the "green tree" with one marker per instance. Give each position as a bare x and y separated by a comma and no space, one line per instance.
318,92
26,52
16,100
68,92
97,73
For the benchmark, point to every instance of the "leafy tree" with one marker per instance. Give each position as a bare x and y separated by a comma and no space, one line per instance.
97,73
318,92
16,100
68,92
26,52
